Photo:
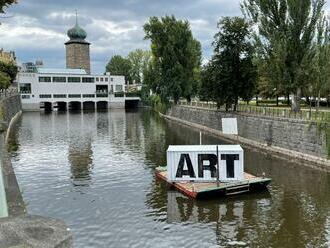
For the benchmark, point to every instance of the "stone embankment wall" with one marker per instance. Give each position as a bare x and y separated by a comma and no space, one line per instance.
9,107
295,135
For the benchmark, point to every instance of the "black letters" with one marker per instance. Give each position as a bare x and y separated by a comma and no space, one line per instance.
230,158
180,171
212,158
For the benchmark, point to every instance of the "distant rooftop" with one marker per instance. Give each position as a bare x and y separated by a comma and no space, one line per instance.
61,71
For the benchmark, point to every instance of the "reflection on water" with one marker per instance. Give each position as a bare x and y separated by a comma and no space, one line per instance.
96,172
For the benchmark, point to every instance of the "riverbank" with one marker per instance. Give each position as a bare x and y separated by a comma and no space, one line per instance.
296,140
17,228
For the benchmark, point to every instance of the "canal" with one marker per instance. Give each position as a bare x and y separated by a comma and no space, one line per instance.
95,171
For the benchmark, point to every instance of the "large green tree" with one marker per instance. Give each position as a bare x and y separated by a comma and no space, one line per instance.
320,66
139,60
286,29
120,66
230,74
176,57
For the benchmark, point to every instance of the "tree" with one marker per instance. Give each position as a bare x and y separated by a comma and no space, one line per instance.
10,69
4,80
176,57
321,62
5,4
288,25
120,66
231,71
139,60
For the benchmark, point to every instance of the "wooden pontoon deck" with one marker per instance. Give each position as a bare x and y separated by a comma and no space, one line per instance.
208,189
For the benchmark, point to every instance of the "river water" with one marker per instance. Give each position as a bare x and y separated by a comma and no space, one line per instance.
95,171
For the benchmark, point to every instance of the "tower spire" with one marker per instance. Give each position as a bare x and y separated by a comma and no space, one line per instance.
76,16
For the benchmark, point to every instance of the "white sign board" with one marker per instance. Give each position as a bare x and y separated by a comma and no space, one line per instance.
229,126
199,163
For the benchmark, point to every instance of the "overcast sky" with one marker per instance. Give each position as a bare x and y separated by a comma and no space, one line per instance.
36,29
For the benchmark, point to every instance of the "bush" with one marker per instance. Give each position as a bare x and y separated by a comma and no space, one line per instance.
157,104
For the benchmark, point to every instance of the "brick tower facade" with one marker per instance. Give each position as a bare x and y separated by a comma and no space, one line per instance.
77,49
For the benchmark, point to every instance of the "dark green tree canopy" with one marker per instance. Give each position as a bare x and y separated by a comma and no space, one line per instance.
176,57
5,4
286,30
230,74
120,66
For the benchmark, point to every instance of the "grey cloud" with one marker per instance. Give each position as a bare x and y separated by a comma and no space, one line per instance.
113,27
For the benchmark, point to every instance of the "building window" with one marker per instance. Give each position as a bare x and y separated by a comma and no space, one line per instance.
111,79
97,79
59,79
106,79
119,87
59,95
74,95
25,88
74,79
88,95
88,80
45,96
101,79
45,79
25,96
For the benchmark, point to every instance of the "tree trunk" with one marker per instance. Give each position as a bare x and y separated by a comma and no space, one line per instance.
288,99
318,101
295,106
277,101
257,103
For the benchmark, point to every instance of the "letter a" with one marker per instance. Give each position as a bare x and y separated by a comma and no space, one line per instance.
180,171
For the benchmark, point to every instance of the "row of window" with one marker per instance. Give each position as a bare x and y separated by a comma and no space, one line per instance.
117,94
73,79
69,95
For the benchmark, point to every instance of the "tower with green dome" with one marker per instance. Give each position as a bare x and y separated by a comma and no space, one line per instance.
77,49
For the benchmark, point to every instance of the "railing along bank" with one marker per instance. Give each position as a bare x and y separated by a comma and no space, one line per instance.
304,114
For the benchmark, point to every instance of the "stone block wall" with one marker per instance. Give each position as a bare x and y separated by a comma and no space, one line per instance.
296,135
9,107
77,56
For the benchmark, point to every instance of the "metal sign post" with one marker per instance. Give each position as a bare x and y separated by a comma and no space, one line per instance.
218,166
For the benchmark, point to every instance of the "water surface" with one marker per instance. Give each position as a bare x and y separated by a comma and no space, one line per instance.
96,172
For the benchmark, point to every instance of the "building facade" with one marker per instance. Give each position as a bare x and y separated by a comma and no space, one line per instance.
64,89
77,49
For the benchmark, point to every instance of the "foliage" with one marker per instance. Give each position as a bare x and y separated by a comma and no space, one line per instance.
230,74
4,80
139,60
5,4
286,29
120,66
157,104
9,69
173,71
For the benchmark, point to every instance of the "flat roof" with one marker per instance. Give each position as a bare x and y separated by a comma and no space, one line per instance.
61,71
204,148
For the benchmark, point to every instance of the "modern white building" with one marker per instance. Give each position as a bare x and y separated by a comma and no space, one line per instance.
64,89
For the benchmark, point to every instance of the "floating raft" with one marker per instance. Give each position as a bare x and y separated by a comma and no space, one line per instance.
212,189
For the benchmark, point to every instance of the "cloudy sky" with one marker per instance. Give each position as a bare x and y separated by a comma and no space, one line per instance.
36,29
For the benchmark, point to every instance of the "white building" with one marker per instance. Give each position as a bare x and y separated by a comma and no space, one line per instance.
62,89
